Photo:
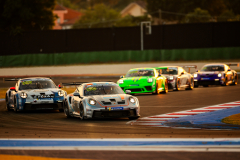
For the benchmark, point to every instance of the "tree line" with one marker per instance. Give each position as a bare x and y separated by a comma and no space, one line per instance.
19,15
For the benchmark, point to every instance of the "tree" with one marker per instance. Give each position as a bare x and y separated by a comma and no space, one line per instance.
19,15
103,16
233,5
176,9
227,16
198,16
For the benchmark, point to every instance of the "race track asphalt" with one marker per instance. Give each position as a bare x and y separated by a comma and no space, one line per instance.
53,124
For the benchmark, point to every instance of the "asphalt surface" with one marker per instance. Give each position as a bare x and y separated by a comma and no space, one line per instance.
53,124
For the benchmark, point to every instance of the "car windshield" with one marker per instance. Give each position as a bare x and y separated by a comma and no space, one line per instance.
36,84
170,70
213,68
140,72
102,89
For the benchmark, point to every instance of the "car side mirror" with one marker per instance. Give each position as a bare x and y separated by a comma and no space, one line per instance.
76,94
159,75
128,91
182,73
59,86
197,70
122,76
229,70
13,89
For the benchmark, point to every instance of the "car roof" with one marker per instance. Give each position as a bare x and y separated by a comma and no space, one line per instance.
99,83
34,78
215,64
143,68
167,66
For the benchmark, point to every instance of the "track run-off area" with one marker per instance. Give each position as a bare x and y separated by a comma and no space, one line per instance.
117,138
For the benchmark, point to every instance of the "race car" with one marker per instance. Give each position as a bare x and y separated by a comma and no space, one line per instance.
143,80
35,94
216,74
101,100
177,77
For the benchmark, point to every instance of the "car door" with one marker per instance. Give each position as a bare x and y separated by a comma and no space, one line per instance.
76,100
183,76
229,73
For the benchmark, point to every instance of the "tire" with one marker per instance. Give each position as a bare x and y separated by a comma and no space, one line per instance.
191,85
15,105
225,82
166,87
133,118
156,91
7,104
81,108
235,80
66,109
177,85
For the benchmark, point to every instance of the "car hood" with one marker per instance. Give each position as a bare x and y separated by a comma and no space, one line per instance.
110,97
209,73
168,75
39,92
136,80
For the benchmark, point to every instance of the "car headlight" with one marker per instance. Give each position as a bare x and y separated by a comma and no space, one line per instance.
220,75
132,100
171,78
23,95
195,75
92,102
150,80
60,93
120,81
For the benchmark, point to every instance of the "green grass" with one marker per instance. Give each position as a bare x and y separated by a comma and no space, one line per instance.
233,119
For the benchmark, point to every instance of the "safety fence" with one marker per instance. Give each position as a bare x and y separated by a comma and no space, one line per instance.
179,36
225,53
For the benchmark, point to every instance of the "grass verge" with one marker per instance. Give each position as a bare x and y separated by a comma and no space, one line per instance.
233,119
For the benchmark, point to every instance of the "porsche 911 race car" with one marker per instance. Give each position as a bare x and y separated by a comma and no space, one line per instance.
35,94
143,80
216,74
101,100
177,77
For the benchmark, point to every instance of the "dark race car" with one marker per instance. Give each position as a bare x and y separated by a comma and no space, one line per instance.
216,74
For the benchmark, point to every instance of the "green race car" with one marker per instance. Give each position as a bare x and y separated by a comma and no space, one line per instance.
143,80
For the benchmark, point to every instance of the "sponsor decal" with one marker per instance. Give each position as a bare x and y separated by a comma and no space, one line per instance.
134,85
115,108
205,78
43,96
26,82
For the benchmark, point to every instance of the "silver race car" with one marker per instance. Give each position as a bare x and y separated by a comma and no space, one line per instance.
35,94
177,77
101,100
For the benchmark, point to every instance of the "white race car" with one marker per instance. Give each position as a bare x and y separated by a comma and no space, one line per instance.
35,94
101,100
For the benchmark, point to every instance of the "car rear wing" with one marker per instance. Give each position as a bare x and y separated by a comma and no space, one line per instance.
233,64
189,67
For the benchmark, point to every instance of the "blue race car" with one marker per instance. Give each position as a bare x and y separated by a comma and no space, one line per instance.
35,94
215,74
